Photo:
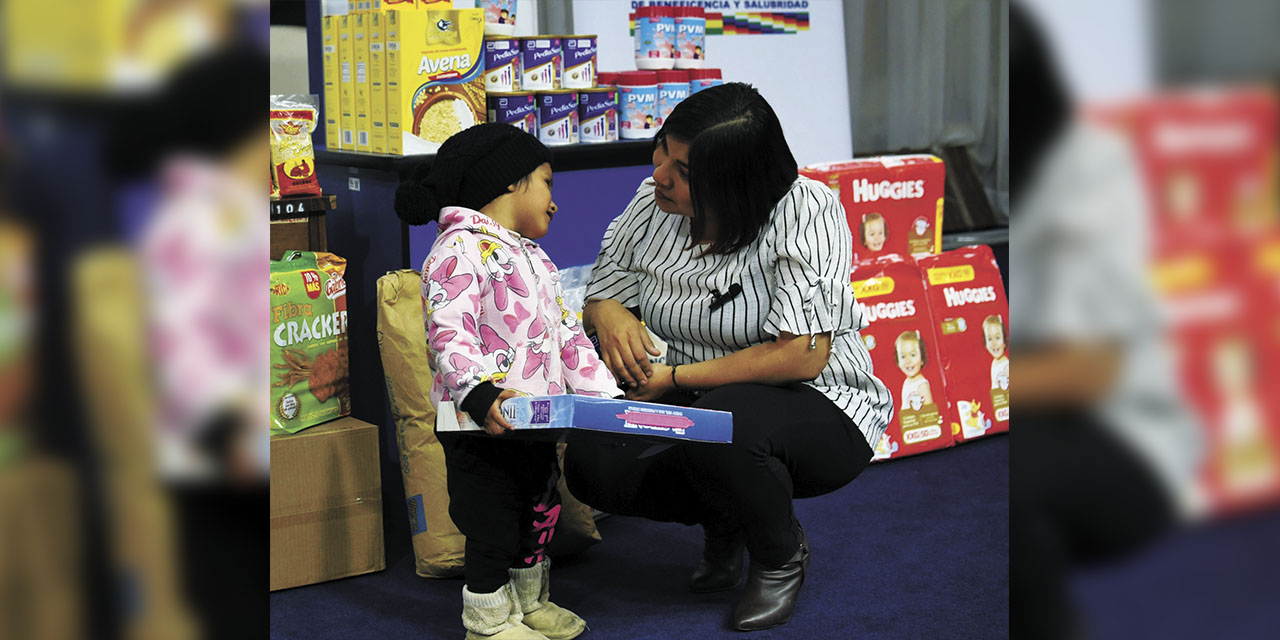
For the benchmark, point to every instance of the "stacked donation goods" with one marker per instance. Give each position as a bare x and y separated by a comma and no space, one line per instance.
938,338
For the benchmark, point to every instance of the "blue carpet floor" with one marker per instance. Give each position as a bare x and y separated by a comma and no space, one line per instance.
914,548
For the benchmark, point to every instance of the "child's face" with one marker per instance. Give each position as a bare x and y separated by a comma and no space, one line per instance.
874,234
533,206
671,177
909,357
995,339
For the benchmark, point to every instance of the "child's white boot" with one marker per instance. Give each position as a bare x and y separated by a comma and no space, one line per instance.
533,590
495,616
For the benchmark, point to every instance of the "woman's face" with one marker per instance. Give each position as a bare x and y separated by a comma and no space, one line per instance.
671,177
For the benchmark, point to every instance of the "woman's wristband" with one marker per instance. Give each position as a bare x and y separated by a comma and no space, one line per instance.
673,379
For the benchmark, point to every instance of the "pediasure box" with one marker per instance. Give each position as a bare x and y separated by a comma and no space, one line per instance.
971,316
893,203
435,76
569,412
309,372
904,350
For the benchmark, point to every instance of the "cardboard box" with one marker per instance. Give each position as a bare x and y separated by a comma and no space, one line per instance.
326,504
904,351
346,83
332,79
377,83
968,303
435,76
569,412
893,203
360,35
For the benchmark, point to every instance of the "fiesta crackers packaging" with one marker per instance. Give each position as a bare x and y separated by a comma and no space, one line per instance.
904,350
332,79
893,203
346,83
377,83
360,41
435,73
309,381
971,319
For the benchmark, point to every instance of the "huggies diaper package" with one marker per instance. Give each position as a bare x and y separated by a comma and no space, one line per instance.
904,352
971,319
893,203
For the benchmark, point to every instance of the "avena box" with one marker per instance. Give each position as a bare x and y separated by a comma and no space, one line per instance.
360,40
971,314
377,83
532,416
332,79
904,350
893,203
347,83
435,75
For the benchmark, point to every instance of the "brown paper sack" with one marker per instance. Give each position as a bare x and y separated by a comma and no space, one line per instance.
437,543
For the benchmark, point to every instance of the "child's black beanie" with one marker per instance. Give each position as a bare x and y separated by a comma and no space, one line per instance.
471,169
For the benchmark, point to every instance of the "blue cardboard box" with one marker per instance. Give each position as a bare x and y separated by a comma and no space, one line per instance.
567,413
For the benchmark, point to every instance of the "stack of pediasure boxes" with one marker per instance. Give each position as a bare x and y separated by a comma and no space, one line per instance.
396,67
938,321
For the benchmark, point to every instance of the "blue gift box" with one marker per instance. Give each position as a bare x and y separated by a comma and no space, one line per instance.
602,415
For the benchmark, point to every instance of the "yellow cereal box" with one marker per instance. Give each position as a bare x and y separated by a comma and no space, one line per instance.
439,77
391,33
346,83
332,78
360,33
377,83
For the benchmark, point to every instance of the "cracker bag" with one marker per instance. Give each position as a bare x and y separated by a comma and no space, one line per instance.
309,381
293,159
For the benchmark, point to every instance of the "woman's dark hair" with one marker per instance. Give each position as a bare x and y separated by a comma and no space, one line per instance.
739,163
1041,104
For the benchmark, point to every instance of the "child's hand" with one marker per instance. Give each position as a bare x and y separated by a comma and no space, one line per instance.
658,386
494,423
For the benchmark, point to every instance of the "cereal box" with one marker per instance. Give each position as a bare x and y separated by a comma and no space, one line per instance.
309,382
436,61
971,316
893,203
332,79
904,350
360,38
377,83
346,83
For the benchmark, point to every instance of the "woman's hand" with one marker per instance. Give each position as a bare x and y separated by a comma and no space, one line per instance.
624,342
494,423
660,383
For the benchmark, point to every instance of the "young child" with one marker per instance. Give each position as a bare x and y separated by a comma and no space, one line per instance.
497,329
993,332
916,392
873,232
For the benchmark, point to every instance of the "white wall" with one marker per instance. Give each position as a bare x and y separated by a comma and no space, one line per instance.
802,76
1103,47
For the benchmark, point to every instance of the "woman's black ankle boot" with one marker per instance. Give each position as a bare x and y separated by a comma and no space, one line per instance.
721,565
770,595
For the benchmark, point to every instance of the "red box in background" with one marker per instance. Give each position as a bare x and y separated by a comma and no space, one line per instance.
1208,158
893,203
1221,293
904,351
971,312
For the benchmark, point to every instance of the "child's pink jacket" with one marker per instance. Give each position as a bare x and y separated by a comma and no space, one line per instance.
495,312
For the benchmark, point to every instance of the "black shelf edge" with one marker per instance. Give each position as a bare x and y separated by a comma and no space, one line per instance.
575,157
965,238
301,208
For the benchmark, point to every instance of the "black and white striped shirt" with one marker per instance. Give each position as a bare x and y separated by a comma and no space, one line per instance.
794,279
